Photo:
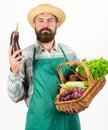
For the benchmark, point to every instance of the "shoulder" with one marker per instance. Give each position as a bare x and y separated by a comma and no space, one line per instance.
28,51
66,48
70,53
28,48
63,45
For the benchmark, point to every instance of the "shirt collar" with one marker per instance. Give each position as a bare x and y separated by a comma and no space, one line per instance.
40,49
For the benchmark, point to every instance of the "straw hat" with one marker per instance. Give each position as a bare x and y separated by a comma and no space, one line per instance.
46,8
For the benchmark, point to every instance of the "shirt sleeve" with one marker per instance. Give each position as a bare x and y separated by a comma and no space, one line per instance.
15,85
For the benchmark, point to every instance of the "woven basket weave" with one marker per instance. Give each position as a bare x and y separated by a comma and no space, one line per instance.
83,102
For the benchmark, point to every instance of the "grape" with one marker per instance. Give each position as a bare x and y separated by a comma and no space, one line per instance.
73,93
61,98
71,90
83,90
68,97
79,95
65,98
79,90
64,93
75,89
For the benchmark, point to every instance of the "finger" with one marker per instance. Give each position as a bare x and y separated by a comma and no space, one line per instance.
71,110
19,58
16,61
14,65
16,53
75,111
9,51
19,62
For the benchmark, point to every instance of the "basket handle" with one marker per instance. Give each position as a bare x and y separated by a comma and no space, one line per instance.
62,78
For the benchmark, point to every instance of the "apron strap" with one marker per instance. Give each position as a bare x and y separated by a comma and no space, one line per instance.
63,53
34,53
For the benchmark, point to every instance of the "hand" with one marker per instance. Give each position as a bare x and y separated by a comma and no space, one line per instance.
71,111
14,61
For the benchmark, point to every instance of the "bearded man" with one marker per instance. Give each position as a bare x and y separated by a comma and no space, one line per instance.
33,77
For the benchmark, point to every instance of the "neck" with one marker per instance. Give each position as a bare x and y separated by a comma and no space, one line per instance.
47,46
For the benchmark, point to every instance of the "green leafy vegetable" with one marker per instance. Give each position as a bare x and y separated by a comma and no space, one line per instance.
98,68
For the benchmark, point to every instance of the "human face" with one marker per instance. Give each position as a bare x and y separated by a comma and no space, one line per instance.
45,26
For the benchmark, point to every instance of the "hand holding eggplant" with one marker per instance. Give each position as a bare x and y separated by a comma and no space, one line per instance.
14,61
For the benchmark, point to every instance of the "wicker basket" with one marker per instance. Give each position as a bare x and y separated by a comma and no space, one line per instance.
83,102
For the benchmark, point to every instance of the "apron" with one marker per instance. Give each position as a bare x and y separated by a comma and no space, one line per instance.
42,113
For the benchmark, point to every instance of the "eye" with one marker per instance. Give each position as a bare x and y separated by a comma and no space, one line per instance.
39,20
51,20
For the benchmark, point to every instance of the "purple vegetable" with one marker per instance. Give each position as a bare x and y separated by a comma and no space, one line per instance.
14,41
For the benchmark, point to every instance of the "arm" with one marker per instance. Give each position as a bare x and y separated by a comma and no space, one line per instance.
16,77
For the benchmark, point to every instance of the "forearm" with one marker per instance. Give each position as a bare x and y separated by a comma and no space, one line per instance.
15,86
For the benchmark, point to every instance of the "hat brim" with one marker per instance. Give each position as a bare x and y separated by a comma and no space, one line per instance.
46,8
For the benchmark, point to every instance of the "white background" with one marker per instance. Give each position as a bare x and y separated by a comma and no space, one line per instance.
85,30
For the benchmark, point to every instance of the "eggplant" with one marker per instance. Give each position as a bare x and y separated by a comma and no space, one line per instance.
14,41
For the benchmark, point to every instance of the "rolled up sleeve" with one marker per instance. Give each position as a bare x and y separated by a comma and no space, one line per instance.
15,85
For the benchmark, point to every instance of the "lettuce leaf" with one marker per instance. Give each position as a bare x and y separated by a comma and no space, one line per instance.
98,68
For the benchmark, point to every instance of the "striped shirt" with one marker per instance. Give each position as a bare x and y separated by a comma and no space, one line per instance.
20,85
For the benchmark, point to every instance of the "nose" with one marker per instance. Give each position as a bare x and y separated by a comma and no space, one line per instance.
45,24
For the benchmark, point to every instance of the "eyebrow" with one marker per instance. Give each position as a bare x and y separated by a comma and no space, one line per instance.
41,18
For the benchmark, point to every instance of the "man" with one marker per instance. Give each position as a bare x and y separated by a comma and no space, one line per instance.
34,77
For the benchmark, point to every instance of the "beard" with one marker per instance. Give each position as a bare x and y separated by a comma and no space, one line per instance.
45,35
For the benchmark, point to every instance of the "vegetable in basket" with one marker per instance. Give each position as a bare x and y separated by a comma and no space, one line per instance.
81,84
98,68
75,76
72,90
73,93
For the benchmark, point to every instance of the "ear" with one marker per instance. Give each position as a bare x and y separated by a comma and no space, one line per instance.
57,24
33,25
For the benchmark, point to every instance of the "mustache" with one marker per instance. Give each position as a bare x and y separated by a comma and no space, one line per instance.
45,29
